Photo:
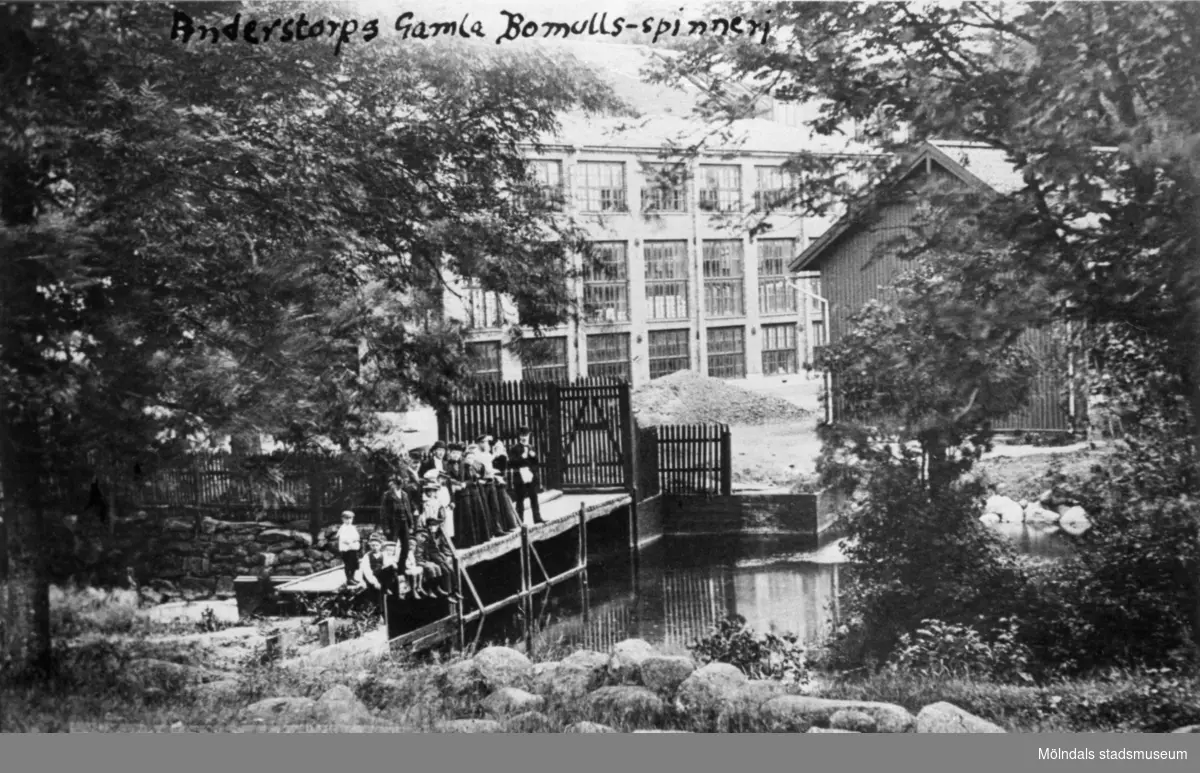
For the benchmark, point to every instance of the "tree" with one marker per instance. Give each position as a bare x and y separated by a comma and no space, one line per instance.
220,237
1094,104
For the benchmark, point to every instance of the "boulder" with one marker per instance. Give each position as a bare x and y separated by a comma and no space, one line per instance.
1035,513
529,722
852,720
625,660
1187,729
741,712
664,673
796,713
587,659
277,536
290,556
625,703
587,727
503,667
945,717
989,518
829,730
511,700
469,726
710,689
281,710
1074,521
568,683
1008,510
340,706
179,526
462,679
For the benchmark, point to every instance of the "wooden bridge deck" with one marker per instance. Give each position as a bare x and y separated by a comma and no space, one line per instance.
559,511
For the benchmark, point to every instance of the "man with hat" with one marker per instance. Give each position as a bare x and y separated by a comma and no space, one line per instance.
435,460
525,482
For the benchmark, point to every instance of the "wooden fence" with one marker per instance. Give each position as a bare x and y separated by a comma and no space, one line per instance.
295,488
695,459
583,430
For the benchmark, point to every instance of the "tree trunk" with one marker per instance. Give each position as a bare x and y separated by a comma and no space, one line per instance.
1188,283
25,646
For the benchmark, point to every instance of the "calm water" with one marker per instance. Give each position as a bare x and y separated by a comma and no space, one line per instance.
681,586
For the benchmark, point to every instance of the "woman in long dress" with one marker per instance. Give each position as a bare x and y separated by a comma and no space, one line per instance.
471,525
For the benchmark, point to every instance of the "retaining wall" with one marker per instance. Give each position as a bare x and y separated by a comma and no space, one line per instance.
749,512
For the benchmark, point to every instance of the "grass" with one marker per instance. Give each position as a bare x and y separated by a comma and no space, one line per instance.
1027,477
96,690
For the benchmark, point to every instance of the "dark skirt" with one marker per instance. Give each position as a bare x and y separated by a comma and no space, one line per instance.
507,509
499,508
470,521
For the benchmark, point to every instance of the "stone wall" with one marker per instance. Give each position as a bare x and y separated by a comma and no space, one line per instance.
749,512
181,556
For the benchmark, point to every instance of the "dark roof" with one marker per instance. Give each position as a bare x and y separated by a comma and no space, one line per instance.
980,166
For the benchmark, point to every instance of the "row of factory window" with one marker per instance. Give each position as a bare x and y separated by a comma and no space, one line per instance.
608,354
601,186
606,296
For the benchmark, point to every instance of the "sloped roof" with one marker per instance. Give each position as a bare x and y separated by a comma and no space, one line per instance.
990,165
752,135
980,166
666,113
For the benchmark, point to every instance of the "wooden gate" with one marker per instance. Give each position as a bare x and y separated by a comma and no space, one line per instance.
583,431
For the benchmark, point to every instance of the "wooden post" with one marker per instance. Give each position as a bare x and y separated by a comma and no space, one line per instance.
316,495
458,604
327,632
627,442
526,605
583,551
274,647
726,461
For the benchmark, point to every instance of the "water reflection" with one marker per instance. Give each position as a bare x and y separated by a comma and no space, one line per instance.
683,585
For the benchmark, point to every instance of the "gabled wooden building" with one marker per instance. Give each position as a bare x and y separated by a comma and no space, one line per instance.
852,266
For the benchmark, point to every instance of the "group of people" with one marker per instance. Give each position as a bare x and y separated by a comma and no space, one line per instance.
457,496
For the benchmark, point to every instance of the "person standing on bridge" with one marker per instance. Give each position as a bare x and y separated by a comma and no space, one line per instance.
349,543
524,461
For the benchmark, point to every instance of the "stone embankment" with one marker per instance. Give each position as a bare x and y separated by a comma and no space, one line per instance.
632,688
176,558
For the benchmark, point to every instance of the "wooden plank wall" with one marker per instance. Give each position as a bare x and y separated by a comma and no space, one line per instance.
694,459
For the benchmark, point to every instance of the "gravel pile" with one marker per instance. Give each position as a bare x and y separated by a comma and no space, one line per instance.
686,397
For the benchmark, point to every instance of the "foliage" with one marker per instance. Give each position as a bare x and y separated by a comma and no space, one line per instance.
1156,700
936,366
356,611
1093,106
943,650
1125,596
917,554
759,655
204,240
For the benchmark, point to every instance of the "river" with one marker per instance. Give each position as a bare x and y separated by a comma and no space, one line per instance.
682,585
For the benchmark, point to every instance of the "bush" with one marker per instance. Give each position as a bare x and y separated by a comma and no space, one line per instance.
758,655
946,650
919,554
1150,701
